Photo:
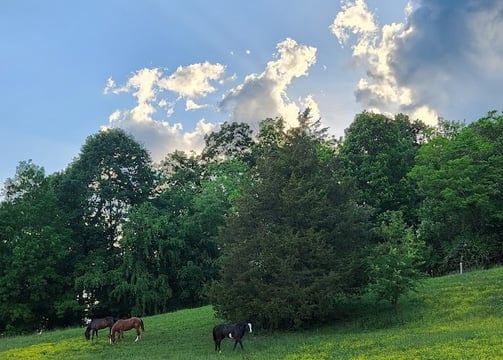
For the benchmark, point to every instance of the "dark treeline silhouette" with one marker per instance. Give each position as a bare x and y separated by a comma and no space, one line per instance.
279,227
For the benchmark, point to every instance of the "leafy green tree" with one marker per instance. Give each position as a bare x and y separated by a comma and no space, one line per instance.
211,205
148,261
458,174
378,152
111,174
395,263
35,265
291,245
193,198
233,141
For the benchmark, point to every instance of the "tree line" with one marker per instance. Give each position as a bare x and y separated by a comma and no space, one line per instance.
280,226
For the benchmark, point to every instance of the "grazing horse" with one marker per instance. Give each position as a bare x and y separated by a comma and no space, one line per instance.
127,324
231,331
97,324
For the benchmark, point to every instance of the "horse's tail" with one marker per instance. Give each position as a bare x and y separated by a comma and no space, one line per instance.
142,326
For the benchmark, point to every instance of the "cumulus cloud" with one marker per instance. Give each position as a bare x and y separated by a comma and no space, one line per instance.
432,63
193,81
265,95
258,97
160,137
147,86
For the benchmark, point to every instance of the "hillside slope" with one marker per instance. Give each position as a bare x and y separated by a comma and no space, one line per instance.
452,317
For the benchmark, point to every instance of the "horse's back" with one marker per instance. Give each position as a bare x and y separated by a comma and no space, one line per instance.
230,330
126,324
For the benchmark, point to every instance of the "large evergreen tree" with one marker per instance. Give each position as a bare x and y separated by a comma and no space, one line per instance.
291,246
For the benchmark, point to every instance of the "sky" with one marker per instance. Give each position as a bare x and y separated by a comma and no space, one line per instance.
169,72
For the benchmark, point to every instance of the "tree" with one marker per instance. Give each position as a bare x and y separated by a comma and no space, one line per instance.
35,266
211,205
395,262
378,152
111,174
232,142
458,175
148,261
291,246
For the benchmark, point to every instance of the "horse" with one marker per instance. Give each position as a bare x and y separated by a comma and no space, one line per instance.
231,331
127,324
97,324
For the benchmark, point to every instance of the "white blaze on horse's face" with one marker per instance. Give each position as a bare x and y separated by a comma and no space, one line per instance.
250,327
230,335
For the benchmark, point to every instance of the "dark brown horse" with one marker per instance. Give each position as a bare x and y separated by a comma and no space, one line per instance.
127,324
97,324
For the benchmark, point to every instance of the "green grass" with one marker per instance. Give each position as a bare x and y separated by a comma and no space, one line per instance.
453,317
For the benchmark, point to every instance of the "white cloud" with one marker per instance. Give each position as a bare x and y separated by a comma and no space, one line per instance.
265,95
374,50
193,81
147,85
191,105
355,18
258,97
161,138
446,58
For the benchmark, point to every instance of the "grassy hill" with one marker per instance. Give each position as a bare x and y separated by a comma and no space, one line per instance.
452,317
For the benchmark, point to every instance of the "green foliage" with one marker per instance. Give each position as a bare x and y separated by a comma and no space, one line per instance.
111,174
378,152
459,179
395,262
170,245
287,214
291,246
143,276
232,142
34,257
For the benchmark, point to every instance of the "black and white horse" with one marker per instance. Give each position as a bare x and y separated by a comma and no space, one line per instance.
231,331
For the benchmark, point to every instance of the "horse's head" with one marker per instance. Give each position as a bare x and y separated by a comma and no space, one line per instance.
111,338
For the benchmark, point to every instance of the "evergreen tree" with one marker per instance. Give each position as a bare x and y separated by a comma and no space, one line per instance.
292,245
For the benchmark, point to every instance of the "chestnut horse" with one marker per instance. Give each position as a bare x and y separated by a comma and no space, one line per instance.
97,324
127,324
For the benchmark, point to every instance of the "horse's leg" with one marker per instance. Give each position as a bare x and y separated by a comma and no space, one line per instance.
236,342
138,334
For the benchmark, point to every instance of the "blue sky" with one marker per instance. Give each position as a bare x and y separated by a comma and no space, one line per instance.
170,71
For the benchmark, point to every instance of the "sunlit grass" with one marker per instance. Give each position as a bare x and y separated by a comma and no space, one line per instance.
453,317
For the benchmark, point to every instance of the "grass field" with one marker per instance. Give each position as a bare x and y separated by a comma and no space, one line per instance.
452,317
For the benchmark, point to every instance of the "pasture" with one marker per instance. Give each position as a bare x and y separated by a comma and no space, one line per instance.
452,317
